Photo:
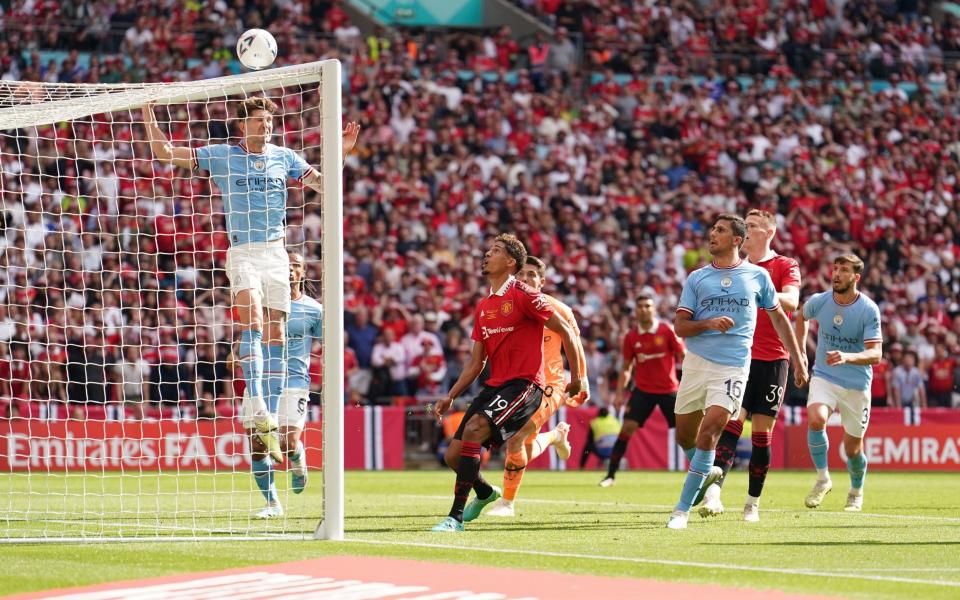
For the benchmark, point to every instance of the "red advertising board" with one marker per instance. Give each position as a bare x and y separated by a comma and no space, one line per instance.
373,439
887,447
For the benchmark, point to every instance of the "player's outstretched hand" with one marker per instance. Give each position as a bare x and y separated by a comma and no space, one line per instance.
835,358
578,386
441,407
350,134
722,324
618,400
577,400
801,373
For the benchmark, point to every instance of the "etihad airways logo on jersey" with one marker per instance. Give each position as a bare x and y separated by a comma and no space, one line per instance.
843,343
260,184
486,332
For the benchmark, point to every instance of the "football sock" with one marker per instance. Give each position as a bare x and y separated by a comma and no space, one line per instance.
759,461
274,374
700,466
294,455
263,475
857,467
542,442
467,472
481,487
619,449
250,355
727,447
513,468
819,445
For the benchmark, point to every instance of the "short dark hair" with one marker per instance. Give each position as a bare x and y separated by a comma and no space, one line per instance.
536,263
514,248
644,298
737,224
255,103
852,260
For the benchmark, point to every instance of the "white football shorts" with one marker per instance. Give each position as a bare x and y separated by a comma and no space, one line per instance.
706,383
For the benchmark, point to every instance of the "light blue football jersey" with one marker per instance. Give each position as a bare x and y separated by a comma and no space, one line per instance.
734,292
303,326
846,328
253,186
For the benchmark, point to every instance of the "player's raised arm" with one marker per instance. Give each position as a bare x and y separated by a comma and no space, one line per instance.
314,179
471,370
162,149
574,351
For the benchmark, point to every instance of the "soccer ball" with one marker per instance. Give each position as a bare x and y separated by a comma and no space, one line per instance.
257,49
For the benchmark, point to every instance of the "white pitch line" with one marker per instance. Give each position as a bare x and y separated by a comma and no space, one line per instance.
670,507
672,563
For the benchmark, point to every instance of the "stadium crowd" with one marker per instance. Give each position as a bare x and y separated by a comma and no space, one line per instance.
608,157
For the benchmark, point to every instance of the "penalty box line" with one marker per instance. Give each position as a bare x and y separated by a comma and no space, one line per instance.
665,562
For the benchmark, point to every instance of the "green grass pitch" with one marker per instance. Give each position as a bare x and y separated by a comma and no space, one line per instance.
906,543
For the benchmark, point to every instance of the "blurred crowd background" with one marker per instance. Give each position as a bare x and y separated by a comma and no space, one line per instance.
607,146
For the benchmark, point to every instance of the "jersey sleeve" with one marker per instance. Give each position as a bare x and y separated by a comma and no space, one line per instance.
812,306
688,296
534,305
767,294
208,157
316,329
475,335
626,348
676,344
791,274
871,325
297,167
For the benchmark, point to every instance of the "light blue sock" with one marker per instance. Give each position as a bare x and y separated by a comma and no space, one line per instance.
857,467
690,452
294,455
274,374
250,355
700,465
263,475
819,445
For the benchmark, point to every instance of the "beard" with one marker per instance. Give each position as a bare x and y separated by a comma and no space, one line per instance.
841,288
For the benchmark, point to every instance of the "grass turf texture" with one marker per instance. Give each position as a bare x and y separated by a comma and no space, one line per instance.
910,530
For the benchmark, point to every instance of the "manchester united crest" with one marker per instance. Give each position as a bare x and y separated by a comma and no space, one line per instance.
506,308
658,340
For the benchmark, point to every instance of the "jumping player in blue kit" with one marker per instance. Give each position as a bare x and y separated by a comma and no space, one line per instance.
849,342
717,316
252,179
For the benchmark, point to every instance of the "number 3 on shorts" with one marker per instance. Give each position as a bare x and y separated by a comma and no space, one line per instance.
866,416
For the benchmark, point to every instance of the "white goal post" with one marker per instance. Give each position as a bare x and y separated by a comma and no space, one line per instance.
118,409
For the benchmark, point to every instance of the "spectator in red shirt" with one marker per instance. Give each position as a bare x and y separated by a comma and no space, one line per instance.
940,378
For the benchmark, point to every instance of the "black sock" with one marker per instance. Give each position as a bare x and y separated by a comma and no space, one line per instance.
481,487
466,475
727,448
619,448
759,462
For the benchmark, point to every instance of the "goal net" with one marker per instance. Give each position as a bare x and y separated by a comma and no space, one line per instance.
120,394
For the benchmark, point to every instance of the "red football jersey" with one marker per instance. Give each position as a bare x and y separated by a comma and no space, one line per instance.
509,324
653,355
766,343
